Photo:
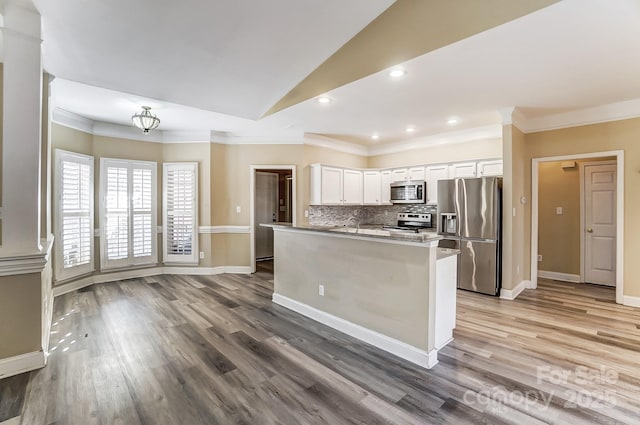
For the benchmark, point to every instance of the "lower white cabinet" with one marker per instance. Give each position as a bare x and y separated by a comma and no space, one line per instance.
371,187
489,168
433,173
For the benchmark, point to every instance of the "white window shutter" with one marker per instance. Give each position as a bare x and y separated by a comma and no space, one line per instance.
128,213
74,215
180,212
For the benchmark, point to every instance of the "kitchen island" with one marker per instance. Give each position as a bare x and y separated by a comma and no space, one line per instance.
394,291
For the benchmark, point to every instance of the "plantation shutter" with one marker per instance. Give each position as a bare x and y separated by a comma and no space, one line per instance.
180,212
128,214
74,239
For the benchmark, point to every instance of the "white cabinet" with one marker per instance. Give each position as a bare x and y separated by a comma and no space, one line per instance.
399,175
462,169
335,186
371,187
434,173
352,187
416,173
490,168
385,187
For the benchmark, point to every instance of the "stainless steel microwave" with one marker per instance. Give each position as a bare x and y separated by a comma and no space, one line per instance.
409,192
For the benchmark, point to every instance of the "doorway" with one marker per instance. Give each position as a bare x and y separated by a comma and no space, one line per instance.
577,219
272,200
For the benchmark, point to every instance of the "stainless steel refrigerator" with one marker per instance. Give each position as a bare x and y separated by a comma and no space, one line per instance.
470,219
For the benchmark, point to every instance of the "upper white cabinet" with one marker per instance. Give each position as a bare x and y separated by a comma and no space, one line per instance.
490,168
433,173
399,175
372,189
416,173
335,186
352,187
385,187
462,169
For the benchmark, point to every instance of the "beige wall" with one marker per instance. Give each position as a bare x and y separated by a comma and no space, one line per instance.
609,136
481,149
20,314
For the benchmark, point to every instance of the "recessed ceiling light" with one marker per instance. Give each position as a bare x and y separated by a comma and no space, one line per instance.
452,121
324,99
375,136
410,129
398,72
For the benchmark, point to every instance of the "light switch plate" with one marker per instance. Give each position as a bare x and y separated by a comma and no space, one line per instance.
559,211
238,209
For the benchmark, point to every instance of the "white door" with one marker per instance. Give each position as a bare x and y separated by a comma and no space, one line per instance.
371,184
462,169
399,175
600,224
385,187
331,186
266,211
352,189
416,173
433,174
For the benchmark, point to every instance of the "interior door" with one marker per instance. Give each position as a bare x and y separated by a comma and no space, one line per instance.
266,211
600,224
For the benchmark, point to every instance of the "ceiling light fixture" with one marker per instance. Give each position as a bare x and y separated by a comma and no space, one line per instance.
452,121
375,136
410,129
324,99
145,120
398,72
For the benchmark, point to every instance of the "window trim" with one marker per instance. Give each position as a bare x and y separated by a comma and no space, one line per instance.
62,273
167,258
130,260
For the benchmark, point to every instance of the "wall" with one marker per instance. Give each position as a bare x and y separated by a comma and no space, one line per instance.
20,333
616,135
480,149
559,235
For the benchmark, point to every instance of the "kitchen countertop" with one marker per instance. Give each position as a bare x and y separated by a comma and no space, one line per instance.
443,253
368,231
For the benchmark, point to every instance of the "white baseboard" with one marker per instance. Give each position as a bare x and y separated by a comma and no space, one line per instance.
20,364
631,301
512,294
151,271
564,277
391,345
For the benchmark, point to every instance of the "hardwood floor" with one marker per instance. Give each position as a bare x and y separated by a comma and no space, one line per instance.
215,350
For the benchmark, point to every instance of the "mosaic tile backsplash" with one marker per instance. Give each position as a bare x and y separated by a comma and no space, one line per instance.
371,214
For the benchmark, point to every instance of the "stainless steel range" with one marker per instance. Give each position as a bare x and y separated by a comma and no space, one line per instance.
414,222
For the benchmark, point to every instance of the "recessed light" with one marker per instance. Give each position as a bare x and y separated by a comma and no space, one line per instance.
375,136
324,99
452,121
410,129
398,72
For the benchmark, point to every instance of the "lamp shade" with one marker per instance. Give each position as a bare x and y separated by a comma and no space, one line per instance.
145,120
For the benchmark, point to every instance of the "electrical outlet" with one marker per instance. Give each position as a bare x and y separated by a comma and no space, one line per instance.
306,213
356,213
514,212
540,257
202,255
559,211
518,270
238,209
321,290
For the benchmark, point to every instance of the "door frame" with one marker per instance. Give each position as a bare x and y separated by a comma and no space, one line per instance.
252,200
619,213
277,175
582,166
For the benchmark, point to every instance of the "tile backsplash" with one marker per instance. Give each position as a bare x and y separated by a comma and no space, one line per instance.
370,214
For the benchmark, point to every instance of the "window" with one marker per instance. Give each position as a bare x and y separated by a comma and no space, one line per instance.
180,188
127,213
74,214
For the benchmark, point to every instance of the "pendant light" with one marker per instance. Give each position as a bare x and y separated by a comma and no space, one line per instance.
145,120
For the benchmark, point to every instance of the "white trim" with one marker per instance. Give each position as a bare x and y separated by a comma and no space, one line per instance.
252,200
64,288
71,120
564,277
512,294
224,229
631,301
22,363
388,344
619,154
27,263
334,144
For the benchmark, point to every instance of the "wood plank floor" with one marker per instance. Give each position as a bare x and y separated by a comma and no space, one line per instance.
195,350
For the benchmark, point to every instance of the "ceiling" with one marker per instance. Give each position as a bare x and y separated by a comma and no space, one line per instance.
571,55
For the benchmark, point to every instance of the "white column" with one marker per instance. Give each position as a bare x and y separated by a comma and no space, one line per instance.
21,129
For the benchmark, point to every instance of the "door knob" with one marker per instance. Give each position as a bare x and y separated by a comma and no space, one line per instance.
590,230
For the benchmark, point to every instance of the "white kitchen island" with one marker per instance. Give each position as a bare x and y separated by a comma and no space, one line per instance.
396,292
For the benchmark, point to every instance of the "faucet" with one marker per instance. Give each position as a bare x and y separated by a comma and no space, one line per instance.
356,221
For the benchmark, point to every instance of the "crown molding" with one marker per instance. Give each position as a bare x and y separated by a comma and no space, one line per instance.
334,144
225,138
587,116
454,137
71,120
